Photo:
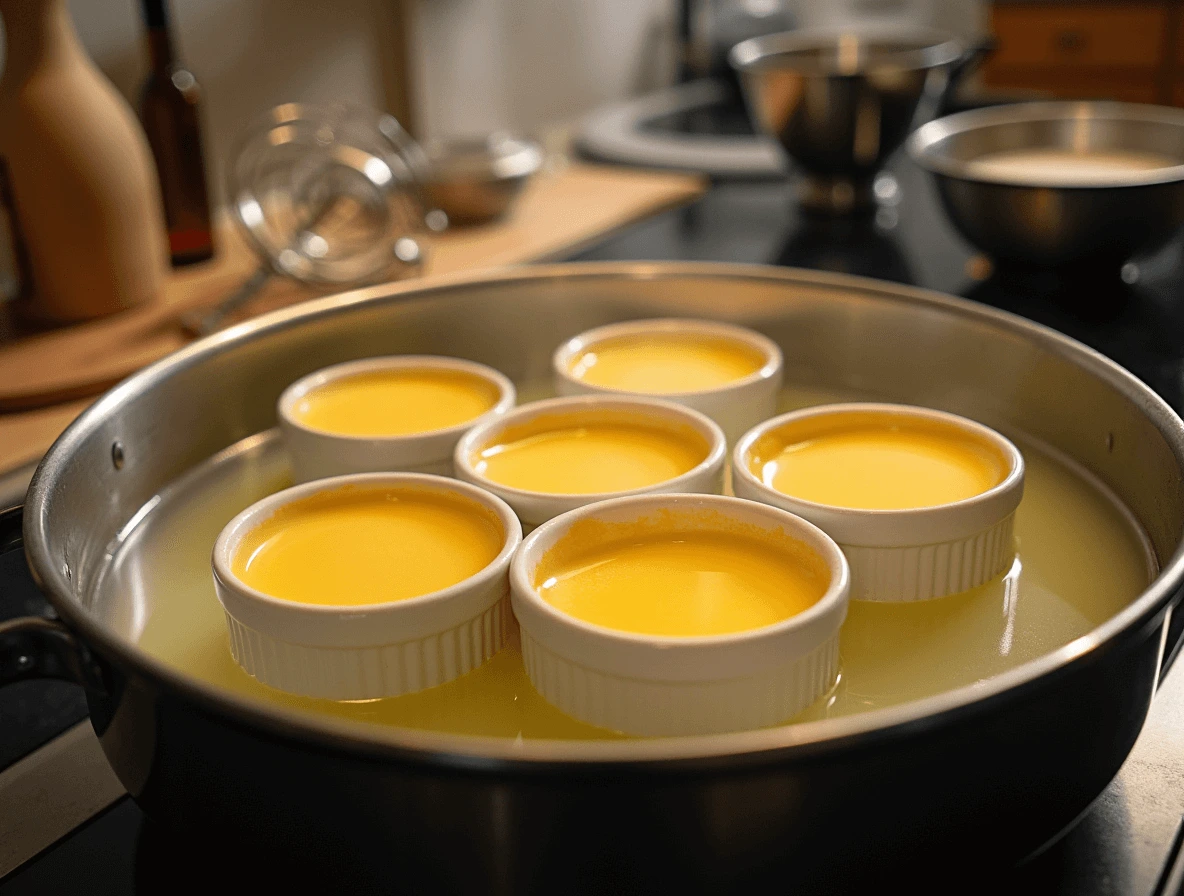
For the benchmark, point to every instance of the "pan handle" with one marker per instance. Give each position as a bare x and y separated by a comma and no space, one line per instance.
36,647
33,647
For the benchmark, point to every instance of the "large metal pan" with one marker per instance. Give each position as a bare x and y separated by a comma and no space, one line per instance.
982,774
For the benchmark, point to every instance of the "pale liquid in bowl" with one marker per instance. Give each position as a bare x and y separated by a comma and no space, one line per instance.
1067,167
1080,560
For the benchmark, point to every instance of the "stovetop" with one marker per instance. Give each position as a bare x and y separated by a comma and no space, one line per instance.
1136,317
1128,843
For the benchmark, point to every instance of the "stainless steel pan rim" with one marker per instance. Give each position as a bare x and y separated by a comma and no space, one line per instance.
924,145
497,755
907,49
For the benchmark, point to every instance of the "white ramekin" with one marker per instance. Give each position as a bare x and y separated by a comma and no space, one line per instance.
535,508
652,685
913,554
735,407
377,650
317,453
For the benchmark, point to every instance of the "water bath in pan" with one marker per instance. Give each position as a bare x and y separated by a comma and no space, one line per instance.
1080,560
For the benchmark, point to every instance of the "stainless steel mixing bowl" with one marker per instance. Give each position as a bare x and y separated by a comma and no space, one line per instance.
839,102
1053,225
475,181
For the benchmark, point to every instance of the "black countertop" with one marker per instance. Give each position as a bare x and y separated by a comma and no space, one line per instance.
1139,323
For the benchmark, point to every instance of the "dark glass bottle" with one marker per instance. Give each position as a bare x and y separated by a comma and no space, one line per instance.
169,108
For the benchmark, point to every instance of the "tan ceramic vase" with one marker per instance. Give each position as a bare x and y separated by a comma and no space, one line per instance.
86,216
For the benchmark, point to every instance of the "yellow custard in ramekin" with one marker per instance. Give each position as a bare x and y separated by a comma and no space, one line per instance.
591,453
681,584
679,614
666,362
730,373
549,457
396,401
921,501
362,586
356,546
397,413
877,462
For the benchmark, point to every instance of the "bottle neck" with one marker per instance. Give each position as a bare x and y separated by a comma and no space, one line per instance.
160,47
40,33
160,51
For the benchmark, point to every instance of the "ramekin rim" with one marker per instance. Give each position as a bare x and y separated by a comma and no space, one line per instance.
293,392
716,454
233,532
837,591
1015,458
774,357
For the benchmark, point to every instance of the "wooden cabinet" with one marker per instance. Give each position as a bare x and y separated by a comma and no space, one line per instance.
1102,35
1077,85
1082,50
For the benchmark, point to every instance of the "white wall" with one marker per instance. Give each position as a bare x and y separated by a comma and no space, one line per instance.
249,55
519,64
478,65
966,18
481,65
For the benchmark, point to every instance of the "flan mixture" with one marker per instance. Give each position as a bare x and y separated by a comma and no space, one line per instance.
876,462
1067,167
593,453
357,546
397,402
1080,559
666,363
679,583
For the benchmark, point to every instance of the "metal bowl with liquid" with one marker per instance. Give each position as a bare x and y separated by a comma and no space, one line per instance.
476,181
975,776
840,103
1039,217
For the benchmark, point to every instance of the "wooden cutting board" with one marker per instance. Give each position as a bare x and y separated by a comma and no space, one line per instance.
560,210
